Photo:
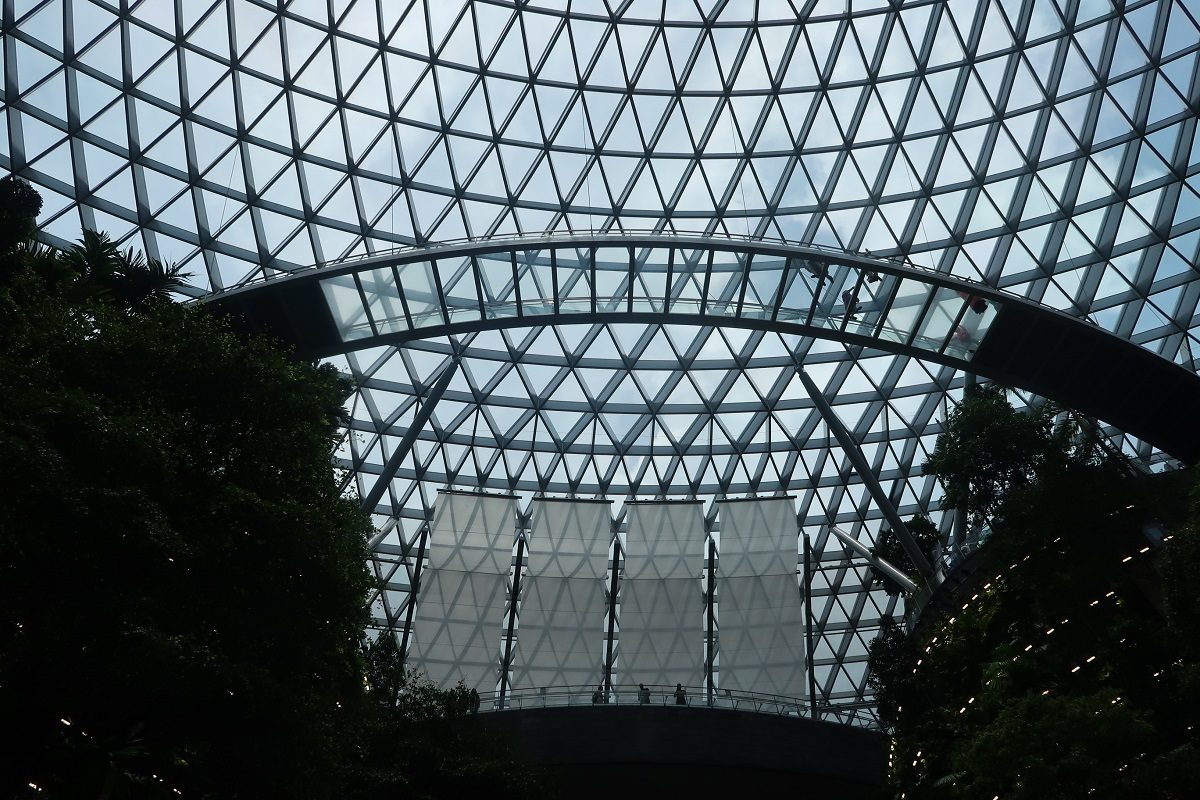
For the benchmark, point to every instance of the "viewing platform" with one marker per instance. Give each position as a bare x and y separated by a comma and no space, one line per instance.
626,748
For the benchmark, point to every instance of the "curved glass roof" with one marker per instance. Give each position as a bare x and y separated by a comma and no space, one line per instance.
1049,149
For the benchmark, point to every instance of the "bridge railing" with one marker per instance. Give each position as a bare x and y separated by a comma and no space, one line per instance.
692,697
566,236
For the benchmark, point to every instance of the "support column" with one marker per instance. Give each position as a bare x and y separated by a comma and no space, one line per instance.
612,619
424,412
902,580
413,589
393,463
710,640
506,664
867,476
808,632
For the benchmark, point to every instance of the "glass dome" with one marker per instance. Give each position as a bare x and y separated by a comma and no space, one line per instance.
1048,150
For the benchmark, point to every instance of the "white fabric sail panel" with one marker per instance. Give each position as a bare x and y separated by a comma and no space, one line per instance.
759,606
456,627
569,539
664,540
761,634
472,532
661,639
758,537
560,629
560,633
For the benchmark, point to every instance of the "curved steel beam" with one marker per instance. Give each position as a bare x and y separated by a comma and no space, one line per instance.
871,481
420,420
721,281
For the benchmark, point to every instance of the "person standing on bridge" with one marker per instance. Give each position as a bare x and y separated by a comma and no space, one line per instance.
680,695
643,694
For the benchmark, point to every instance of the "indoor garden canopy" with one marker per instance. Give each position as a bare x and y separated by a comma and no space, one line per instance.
656,258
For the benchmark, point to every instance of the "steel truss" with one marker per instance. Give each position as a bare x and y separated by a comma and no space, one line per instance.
1044,149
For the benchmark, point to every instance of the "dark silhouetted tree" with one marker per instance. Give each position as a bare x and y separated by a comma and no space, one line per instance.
889,548
182,584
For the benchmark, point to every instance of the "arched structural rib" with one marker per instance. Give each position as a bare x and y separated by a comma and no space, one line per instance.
705,280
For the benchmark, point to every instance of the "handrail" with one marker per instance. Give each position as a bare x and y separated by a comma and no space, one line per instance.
694,697
597,238
584,234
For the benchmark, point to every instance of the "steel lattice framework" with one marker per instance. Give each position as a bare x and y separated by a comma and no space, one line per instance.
1046,148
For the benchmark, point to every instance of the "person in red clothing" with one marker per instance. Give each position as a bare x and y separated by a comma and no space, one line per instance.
977,304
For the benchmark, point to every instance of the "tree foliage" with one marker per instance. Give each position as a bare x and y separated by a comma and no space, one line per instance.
1181,580
420,742
19,206
1043,747
1059,676
125,279
182,583
890,656
989,451
889,548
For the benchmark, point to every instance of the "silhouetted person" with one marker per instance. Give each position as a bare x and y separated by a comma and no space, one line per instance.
643,694
598,695
474,701
852,304
680,695
872,276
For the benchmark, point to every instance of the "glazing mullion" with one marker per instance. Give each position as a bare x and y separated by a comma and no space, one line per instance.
707,281
437,286
862,274
954,326
554,280
362,295
400,293
887,306
777,299
512,260
745,282
920,319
